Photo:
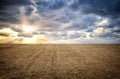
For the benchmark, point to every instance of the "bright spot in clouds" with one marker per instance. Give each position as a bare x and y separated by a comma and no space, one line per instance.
33,40
98,30
103,22
8,31
28,28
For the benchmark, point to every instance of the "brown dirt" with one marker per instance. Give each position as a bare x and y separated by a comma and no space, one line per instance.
59,61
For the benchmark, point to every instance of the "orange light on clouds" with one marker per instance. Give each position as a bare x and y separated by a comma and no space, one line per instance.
13,37
9,31
36,39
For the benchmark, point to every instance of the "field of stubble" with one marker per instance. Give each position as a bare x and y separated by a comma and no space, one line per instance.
59,61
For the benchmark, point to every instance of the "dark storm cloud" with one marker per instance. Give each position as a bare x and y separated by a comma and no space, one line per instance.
45,5
13,2
9,10
113,23
101,7
117,30
29,10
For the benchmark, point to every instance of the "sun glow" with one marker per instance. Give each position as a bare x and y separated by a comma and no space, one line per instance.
25,36
9,31
33,40
28,28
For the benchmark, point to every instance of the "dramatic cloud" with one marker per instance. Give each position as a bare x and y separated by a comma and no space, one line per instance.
60,21
101,7
4,34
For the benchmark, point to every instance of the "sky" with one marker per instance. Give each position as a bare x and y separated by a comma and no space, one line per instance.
60,21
